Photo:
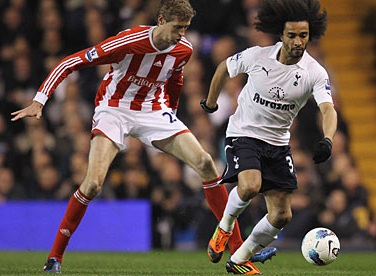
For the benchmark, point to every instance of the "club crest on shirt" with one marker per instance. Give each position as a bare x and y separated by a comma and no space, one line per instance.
297,77
169,74
91,54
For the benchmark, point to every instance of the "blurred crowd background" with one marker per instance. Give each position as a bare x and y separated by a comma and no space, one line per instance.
46,159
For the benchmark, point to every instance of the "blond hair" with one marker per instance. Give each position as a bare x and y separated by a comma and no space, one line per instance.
181,9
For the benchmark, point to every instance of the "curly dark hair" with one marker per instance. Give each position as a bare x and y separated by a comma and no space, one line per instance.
273,14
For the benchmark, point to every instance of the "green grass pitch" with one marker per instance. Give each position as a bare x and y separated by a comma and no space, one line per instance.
180,263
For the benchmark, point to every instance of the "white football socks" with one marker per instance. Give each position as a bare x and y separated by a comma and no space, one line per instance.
262,235
234,207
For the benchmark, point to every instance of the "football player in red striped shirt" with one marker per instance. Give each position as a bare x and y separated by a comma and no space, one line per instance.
137,97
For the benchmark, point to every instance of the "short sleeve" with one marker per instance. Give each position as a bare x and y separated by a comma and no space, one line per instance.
239,62
321,88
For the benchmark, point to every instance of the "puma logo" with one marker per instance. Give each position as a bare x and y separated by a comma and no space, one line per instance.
266,71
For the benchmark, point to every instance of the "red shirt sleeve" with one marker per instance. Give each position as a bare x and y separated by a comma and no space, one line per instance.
85,58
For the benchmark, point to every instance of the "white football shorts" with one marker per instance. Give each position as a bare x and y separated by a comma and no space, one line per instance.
117,123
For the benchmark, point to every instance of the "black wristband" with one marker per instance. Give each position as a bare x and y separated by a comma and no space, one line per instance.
206,108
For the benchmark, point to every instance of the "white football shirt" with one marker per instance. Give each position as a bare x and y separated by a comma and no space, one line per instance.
274,93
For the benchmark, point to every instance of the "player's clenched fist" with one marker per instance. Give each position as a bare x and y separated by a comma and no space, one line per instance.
322,151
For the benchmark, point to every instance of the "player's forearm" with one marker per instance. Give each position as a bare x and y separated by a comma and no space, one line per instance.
218,81
329,122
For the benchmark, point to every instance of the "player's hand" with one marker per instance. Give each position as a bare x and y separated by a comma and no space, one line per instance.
207,108
33,110
322,151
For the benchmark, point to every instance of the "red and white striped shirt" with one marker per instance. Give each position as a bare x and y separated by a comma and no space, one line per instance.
141,77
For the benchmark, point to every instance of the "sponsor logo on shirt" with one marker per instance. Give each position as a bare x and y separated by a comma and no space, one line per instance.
277,93
91,54
144,82
258,99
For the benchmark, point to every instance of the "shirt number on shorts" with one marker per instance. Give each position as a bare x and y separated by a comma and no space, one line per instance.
291,165
170,115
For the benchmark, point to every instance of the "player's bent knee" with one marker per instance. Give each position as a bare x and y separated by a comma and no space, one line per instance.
279,219
205,163
247,192
286,218
91,187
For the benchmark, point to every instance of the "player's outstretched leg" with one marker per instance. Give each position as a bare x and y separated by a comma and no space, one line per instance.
52,266
75,211
217,197
247,268
217,244
264,254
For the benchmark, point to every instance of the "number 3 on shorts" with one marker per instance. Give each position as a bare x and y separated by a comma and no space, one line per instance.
291,165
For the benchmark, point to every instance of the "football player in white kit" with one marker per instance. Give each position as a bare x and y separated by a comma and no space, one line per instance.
137,97
281,78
